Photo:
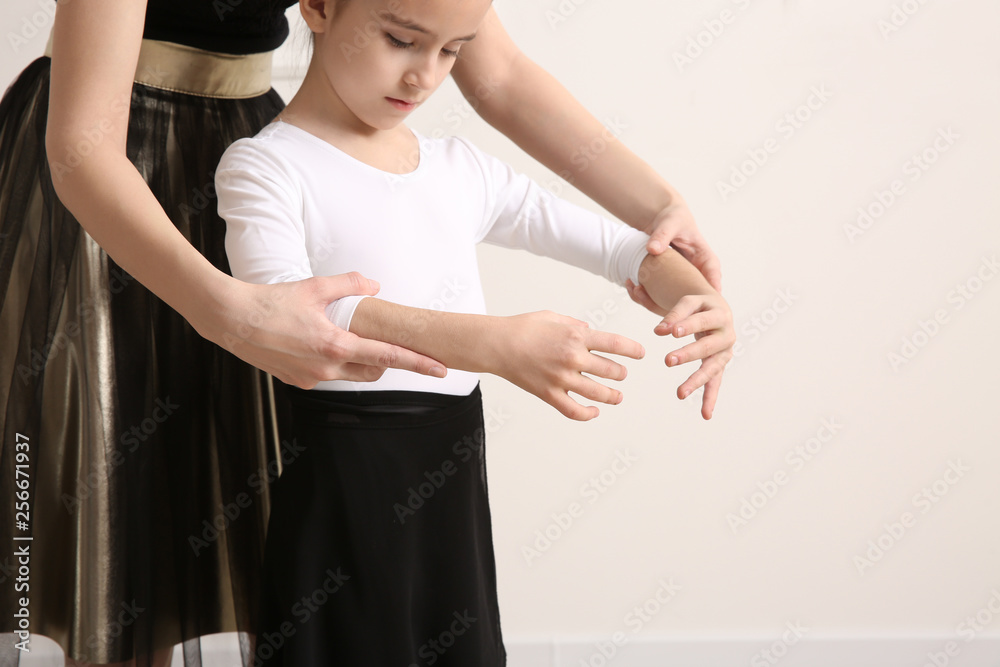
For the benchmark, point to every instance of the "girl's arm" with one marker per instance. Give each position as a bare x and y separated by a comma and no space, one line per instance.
690,305
520,99
281,329
543,353
268,241
524,215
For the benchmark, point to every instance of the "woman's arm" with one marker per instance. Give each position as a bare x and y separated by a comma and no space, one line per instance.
95,51
543,353
527,104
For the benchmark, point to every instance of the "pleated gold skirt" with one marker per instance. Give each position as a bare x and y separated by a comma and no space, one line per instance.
136,456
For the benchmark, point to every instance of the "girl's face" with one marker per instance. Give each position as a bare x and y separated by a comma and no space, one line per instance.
383,58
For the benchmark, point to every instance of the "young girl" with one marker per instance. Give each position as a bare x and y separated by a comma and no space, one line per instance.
379,547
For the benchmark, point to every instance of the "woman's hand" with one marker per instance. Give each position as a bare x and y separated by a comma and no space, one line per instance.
674,226
546,354
283,330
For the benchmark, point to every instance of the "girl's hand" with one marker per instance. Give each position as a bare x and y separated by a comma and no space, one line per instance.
283,330
546,354
674,226
708,317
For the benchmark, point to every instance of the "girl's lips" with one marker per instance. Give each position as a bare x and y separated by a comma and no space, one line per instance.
400,104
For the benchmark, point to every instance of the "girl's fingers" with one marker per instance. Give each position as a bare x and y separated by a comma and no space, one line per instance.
595,391
603,367
710,368
705,346
706,320
684,308
570,408
711,393
602,341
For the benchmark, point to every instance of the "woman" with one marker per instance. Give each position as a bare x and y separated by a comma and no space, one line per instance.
145,485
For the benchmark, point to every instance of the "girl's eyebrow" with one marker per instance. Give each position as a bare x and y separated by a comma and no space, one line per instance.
410,25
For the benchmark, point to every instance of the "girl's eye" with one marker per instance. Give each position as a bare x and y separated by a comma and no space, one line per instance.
399,44
450,53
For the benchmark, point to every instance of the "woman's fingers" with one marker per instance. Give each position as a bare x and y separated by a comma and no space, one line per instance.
384,355
331,288
360,372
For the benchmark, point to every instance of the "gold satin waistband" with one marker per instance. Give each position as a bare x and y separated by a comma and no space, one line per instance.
185,69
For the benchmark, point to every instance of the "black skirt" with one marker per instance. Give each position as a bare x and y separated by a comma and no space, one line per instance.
379,547
149,448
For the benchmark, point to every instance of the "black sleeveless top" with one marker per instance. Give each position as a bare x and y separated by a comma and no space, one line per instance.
227,26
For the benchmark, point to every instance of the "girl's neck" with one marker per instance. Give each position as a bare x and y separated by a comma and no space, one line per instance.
315,109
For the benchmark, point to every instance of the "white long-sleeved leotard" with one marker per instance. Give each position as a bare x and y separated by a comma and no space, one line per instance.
296,206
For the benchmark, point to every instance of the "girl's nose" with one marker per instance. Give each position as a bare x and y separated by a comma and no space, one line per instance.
421,74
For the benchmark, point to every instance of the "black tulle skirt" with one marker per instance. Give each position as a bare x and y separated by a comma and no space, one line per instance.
379,548
146,451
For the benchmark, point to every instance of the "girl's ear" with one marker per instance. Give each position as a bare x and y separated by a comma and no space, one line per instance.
315,13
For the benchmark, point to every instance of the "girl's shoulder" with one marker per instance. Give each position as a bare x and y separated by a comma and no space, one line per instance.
263,155
271,142
454,152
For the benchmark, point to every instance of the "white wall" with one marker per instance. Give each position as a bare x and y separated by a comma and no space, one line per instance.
825,358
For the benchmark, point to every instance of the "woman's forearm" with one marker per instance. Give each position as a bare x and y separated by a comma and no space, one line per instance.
112,202
523,101
89,99
460,341
545,120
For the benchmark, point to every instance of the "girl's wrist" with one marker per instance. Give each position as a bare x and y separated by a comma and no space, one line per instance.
498,334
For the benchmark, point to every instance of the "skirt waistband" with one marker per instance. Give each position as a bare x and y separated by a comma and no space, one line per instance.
385,408
186,69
